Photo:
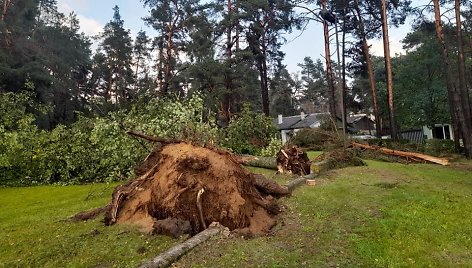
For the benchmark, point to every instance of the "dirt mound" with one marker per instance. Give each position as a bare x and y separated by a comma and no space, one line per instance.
186,188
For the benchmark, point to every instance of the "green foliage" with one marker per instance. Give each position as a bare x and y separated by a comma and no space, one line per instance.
92,149
420,85
273,148
439,147
315,86
315,139
248,133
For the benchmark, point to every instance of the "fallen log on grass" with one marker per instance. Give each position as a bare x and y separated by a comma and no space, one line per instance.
258,161
173,254
407,155
268,186
299,181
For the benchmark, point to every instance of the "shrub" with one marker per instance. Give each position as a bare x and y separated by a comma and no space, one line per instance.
91,149
248,133
316,139
439,147
273,148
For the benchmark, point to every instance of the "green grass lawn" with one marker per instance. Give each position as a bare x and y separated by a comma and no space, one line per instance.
35,231
380,215
313,154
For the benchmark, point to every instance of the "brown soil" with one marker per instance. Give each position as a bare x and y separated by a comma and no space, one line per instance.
164,198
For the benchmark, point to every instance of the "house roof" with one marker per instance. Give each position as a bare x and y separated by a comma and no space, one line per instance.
311,120
295,122
287,122
356,118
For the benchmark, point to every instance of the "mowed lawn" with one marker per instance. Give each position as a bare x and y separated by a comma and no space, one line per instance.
36,232
380,215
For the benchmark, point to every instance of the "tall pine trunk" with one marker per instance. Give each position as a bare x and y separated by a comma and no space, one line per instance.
264,82
4,10
463,91
168,63
343,93
227,96
160,63
370,72
388,72
329,69
455,104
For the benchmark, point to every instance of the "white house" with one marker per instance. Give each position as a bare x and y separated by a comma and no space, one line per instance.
439,131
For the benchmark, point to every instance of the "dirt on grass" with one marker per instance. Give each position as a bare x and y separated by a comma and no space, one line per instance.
183,188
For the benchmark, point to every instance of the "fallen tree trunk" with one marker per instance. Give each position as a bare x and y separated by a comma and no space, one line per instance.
268,186
151,138
262,162
173,254
408,155
299,181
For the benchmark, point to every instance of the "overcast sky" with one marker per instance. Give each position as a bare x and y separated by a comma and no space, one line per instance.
93,15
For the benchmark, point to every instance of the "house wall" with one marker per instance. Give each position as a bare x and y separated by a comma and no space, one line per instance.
364,124
428,132
286,134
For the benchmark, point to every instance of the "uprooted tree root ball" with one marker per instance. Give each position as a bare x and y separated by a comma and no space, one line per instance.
186,188
293,160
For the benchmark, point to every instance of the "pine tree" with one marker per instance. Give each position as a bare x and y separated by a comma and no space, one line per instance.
142,56
171,19
117,49
267,20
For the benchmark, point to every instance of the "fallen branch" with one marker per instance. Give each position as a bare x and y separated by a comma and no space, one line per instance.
150,138
408,155
173,254
90,214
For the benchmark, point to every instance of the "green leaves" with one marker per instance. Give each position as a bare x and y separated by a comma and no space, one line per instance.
91,149
248,133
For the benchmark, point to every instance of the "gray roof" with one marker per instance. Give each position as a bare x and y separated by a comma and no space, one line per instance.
357,117
310,120
287,122
295,122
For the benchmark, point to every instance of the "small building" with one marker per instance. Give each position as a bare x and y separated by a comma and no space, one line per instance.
438,131
289,125
362,123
